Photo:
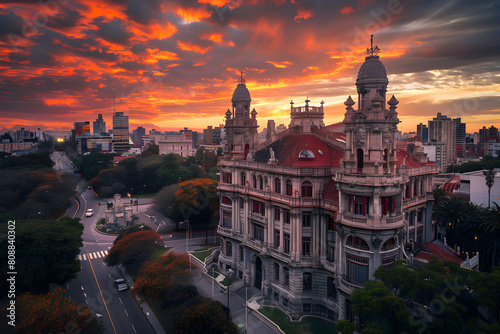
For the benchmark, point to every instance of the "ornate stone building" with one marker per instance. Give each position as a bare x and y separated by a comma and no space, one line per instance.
312,213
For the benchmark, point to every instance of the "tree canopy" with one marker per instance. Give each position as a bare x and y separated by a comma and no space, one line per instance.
155,279
207,317
134,249
487,162
53,313
196,200
31,161
46,252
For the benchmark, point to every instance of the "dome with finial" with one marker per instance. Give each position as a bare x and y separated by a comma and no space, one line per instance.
372,70
393,101
241,93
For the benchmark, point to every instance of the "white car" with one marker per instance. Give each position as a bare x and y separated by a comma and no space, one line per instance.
89,213
121,285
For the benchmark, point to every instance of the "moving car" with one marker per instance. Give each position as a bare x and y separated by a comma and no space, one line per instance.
89,213
121,284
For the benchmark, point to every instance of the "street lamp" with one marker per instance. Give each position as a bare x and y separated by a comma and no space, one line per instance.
187,244
33,215
229,272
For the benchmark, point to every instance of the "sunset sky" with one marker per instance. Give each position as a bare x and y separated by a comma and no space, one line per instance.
176,63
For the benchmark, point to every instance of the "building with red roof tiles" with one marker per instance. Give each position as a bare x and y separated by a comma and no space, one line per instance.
309,214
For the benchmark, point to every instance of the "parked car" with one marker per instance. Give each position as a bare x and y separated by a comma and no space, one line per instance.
89,213
121,284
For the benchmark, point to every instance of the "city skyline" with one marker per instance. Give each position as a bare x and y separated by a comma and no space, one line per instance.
173,63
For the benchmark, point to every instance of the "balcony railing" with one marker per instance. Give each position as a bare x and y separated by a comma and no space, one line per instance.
279,169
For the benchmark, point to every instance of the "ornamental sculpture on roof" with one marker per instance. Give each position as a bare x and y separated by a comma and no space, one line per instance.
373,50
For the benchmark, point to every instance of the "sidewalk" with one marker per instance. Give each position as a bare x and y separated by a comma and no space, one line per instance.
236,304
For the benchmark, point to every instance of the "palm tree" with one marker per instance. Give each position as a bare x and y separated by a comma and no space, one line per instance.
489,176
451,212
491,227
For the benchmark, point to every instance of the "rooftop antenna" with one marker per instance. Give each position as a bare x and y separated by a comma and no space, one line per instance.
373,50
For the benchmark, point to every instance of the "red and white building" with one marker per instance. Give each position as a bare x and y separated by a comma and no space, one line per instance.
309,215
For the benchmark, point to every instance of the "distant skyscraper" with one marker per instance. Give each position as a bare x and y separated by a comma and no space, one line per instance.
443,135
137,135
121,142
99,125
422,133
81,128
207,135
460,129
121,135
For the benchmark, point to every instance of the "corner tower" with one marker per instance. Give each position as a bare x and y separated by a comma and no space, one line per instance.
241,125
371,227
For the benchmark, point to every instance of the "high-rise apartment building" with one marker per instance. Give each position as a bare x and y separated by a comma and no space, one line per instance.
121,135
99,126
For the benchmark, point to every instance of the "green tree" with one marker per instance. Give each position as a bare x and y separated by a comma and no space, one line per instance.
451,212
91,164
378,308
344,326
207,317
30,161
487,288
489,178
151,150
46,252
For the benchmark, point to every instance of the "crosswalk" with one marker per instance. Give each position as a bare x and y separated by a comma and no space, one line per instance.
92,256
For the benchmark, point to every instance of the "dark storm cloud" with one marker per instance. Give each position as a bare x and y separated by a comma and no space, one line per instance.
10,23
142,11
114,32
67,19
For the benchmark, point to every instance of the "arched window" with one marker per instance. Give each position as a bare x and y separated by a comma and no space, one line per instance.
243,178
261,183
415,188
357,242
247,150
289,188
277,185
389,244
306,154
359,156
307,189
307,281
254,181
226,200
229,248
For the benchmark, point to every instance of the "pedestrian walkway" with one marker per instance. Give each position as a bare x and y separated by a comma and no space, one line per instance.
92,256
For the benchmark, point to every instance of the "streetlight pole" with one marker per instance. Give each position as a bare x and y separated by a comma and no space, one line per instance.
187,243
228,279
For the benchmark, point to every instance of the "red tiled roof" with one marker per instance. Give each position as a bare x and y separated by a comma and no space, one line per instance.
288,148
410,161
337,127
452,184
440,250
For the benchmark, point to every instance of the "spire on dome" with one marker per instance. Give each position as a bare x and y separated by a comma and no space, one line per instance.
373,50
242,81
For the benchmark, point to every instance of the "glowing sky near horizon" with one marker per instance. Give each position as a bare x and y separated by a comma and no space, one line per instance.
176,63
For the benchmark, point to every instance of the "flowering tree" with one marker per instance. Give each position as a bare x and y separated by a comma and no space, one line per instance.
207,317
197,201
53,313
134,249
154,279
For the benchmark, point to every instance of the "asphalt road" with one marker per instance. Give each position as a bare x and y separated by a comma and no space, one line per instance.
93,286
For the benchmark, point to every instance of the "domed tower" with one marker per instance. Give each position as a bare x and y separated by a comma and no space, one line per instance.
371,228
241,125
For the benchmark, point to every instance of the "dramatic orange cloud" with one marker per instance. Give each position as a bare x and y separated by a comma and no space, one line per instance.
69,102
187,46
346,10
283,64
190,15
303,14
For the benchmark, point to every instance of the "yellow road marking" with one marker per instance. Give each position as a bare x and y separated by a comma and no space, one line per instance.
104,302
